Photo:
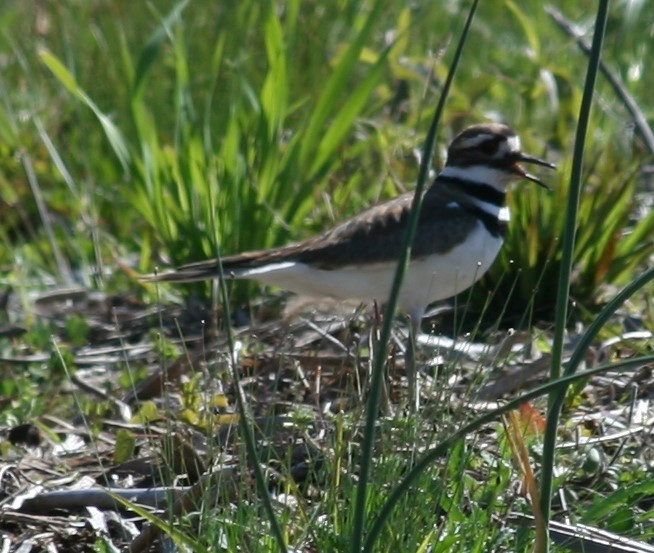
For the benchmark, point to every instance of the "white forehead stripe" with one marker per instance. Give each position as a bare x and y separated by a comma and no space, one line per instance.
514,143
477,139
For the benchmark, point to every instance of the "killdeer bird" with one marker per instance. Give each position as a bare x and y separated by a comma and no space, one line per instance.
461,225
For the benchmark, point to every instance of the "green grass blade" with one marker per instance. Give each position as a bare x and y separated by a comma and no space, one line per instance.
527,24
372,406
245,417
335,90
111,131
274,93
603,317
607,506
445,446
178,536
556,399
342,123
153,46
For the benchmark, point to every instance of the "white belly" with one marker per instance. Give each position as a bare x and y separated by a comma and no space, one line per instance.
427,280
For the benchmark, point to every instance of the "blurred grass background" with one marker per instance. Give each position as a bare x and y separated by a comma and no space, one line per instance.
143,134
156,133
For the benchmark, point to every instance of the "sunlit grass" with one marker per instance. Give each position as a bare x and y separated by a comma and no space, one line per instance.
166,132
279,142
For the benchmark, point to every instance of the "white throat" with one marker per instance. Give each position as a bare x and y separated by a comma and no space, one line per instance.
489,176
479,174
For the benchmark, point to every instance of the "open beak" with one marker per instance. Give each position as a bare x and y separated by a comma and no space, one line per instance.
519,170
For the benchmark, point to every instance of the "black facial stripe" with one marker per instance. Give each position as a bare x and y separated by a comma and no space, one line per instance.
493,163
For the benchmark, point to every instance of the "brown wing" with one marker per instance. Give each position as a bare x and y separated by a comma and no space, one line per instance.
374,235
377,235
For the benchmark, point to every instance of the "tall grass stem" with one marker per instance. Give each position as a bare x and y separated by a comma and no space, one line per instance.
372,406
555,401
445,446
244,417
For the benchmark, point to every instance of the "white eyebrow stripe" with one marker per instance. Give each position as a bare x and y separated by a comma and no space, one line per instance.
478,139
514,143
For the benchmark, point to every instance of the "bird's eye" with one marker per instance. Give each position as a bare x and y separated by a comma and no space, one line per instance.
489,147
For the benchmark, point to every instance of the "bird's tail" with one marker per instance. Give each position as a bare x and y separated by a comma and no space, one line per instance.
186,273
243,265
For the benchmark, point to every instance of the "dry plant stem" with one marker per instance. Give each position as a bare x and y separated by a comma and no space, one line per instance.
514,432
584,538
640,120
221,483
62,265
